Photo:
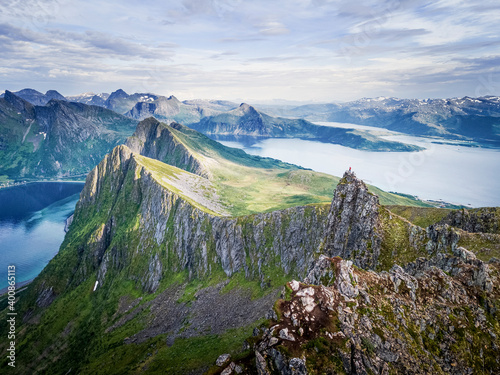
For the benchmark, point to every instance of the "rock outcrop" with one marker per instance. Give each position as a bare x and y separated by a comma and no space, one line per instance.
434,316
353,229
484,220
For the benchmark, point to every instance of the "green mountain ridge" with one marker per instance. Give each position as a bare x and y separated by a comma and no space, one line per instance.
60,139
162,271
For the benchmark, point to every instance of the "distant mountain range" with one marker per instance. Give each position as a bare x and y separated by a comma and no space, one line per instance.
475,119
58,139
248,121
36,97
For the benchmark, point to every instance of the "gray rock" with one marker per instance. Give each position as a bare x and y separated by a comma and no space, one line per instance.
285,335
222,359
261,365
297,366
352,230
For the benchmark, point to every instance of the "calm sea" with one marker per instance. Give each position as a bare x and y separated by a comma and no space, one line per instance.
449,172
32,219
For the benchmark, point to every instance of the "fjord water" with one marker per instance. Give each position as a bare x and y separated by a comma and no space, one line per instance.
450,172
32,219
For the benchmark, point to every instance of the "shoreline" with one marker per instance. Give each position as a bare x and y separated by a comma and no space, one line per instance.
20,286
16,184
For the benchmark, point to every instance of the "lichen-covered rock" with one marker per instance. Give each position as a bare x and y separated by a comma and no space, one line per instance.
433,316
484,220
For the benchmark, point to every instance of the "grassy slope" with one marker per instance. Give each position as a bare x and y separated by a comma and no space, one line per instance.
250,184
421,216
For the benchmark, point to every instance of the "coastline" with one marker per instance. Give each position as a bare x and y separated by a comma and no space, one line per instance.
73,180
20,286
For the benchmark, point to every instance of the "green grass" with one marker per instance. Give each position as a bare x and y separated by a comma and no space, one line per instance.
248,184
396,247
421,216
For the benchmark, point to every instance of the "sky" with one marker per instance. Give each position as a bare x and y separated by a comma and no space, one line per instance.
295,50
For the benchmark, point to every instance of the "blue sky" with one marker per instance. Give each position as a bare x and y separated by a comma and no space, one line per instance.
298,50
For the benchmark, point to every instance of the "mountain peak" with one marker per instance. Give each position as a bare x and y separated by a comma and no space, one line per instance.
29,92
53,94
17,102
118,94
353,222
245,108
172,97
155,140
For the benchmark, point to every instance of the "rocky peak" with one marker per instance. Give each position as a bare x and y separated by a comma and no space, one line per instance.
155,140
118,94
174,99
426,318
245,108
18,103
352,230
53,94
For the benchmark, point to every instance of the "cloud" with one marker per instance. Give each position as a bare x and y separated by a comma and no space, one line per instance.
292,49
272,28
224,54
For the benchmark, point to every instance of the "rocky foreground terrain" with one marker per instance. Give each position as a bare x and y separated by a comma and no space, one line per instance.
432,316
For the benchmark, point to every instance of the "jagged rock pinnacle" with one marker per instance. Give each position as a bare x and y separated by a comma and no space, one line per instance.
352,230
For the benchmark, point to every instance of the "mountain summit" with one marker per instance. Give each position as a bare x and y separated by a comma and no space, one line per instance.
353,223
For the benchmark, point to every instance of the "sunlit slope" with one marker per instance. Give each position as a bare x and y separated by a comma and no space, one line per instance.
243,183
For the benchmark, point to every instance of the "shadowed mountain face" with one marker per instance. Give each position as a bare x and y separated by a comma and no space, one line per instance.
37,98
57,139
160,263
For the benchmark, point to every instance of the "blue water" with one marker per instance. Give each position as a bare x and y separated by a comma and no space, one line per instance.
32,219
449,172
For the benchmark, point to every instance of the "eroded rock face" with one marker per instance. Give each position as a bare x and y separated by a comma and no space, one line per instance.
155,140
353,229
121,190
484,220
434,316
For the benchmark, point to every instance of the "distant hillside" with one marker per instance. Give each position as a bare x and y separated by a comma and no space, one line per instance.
90,98
475,119
36,97
247,120
56,140
169,109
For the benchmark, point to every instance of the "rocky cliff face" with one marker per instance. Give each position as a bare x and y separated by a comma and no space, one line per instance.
354,229
484,220
156,140
186,237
